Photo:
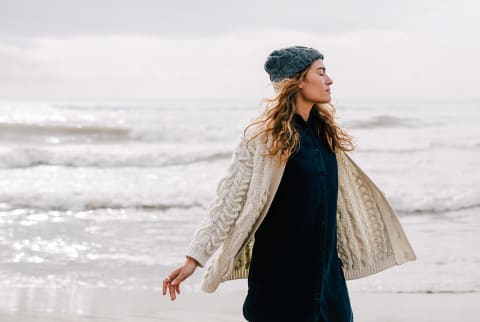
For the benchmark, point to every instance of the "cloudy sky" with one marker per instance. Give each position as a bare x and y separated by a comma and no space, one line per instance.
140,49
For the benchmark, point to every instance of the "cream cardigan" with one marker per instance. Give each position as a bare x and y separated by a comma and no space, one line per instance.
370,237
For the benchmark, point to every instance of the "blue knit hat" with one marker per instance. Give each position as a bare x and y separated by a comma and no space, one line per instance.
288,61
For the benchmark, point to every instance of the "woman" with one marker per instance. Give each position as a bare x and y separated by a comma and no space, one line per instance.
276,214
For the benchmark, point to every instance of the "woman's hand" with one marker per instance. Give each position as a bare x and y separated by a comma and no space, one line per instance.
173,280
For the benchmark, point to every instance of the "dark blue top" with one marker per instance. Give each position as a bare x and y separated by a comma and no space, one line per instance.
295,273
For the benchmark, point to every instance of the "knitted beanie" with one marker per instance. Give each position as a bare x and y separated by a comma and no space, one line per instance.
286,62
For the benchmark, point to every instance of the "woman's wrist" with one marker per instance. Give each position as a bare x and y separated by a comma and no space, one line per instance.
191,259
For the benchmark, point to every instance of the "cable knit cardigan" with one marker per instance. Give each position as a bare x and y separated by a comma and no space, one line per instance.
370,237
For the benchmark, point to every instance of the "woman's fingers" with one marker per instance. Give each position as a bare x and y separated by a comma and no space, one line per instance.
176,277
166,283
175,285
172,292
171,288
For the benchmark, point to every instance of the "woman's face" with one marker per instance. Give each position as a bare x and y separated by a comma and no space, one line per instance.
316,86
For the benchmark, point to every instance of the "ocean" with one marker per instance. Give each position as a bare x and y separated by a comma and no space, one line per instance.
108,194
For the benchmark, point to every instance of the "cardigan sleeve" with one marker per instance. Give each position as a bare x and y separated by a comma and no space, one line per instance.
224,209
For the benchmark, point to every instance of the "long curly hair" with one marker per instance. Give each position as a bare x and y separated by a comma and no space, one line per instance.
277,119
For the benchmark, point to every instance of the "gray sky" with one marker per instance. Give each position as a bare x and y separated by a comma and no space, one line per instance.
193,49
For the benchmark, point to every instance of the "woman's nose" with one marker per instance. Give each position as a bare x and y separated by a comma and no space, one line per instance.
329,80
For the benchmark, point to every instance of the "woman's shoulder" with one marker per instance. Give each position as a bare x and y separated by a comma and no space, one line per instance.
253,127
253,132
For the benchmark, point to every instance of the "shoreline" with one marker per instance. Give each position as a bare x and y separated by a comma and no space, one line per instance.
98,304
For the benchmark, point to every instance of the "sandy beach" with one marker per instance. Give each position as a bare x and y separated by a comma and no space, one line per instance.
82,304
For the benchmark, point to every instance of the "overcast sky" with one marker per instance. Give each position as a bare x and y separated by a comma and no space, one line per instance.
139,49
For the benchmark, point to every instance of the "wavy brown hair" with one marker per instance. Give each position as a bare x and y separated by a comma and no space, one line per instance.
278,120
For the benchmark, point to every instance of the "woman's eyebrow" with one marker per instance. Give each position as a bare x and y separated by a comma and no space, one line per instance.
321,68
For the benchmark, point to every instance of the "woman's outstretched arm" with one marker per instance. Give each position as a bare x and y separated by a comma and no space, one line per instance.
221,214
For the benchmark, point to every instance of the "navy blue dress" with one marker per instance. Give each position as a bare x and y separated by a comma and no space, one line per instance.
295,272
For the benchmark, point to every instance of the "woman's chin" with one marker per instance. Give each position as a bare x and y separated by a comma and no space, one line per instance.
324,100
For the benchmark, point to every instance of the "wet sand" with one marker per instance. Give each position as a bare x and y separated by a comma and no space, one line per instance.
96,304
